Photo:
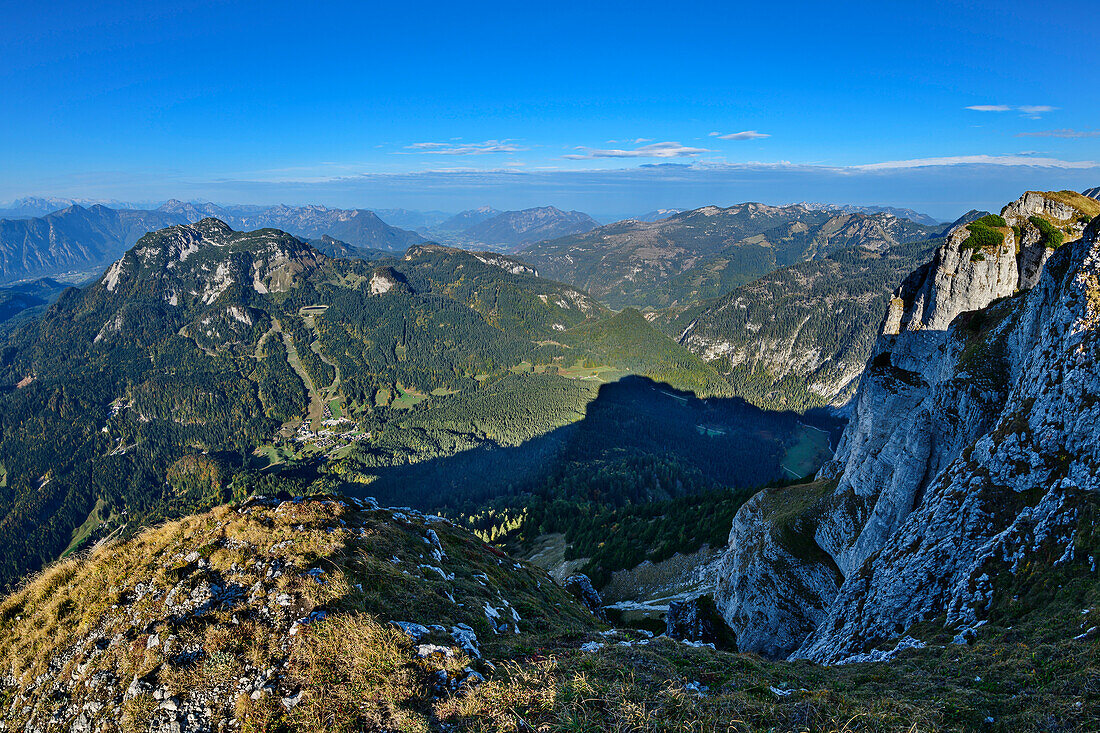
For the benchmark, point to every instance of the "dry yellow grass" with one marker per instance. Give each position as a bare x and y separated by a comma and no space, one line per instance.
1088,206
106,613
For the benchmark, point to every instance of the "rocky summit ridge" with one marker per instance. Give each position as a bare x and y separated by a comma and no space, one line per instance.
969,467
256,614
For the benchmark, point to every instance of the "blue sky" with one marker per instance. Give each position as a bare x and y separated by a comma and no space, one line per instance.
611,108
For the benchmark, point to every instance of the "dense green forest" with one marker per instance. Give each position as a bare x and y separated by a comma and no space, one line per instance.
611,536
207,364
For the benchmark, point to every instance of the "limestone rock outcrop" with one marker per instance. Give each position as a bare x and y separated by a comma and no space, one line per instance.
696,620
975,425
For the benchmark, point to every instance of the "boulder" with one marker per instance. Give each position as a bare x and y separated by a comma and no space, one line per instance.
581,588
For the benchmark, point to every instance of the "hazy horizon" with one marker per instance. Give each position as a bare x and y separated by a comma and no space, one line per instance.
612,110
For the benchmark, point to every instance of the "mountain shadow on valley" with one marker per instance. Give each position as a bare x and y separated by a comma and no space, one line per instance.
639,441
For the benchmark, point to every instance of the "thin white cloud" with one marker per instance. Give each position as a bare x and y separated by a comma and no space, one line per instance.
1064,133
743,135
451,148
654,150
1031,111
977,160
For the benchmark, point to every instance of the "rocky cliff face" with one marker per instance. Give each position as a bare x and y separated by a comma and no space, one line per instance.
800,337
962,278
973,431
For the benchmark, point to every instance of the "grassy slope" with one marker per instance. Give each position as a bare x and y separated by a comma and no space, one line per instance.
91,618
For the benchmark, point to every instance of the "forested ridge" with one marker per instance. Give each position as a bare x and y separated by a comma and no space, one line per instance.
798,337
207,364
706,252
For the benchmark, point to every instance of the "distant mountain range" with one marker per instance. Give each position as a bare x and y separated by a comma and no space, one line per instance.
706,252
489,228
73,239
531,225
32,206
357,227
909,214
658,214
462,221
411,219
83,240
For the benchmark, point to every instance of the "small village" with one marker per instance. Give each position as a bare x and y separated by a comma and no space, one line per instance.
330,435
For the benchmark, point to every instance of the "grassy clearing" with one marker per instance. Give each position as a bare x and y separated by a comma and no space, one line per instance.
1089,207
526,367
593,373
407,398
96,517
269,456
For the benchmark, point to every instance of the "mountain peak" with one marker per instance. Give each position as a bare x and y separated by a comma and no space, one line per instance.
212,228
986,259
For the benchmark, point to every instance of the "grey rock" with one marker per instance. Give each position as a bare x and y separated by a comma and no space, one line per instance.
581,588
942,439
416,632
466,639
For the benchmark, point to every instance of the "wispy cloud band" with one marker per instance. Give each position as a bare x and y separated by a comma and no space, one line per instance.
452,148
955,160
743,135
1064,133
1027,110
654,150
